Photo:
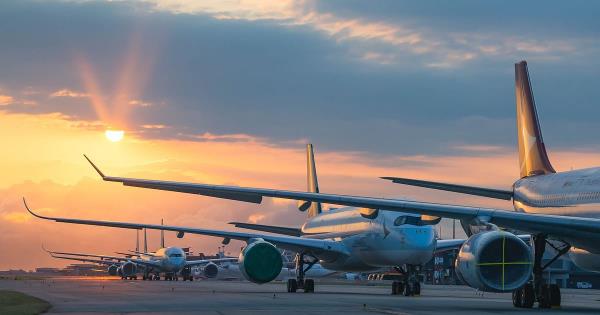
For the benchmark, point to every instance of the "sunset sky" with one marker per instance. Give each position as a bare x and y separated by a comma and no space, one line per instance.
229,92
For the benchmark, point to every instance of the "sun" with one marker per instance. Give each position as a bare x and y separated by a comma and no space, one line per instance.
114,135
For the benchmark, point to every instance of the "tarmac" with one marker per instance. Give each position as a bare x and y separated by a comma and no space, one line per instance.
115,296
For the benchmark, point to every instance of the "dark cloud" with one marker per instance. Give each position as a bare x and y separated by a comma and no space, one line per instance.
285,81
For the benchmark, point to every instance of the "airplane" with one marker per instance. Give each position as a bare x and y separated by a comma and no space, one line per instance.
552,207
168,260
343,239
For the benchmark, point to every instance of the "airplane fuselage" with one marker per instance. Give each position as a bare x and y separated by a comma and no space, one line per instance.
170,259
573,193
382,241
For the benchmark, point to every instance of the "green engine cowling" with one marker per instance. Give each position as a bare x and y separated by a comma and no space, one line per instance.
260,262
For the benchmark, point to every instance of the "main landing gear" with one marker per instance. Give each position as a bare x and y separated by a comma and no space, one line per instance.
409,284
149,276
171,277
308,285
547,295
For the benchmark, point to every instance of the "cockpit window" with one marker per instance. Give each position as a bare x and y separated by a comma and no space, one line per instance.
404,219
175,255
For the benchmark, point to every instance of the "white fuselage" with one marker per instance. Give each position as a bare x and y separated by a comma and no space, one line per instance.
373,242
573,193
170,259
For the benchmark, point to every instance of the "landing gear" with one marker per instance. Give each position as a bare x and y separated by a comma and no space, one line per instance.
186,274
547,295
308,285
409,285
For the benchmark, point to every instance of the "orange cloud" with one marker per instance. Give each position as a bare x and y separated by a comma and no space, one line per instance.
68,93
6,100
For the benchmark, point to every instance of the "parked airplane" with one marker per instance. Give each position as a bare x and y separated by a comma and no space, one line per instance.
123,267
344,239
549,205
168,260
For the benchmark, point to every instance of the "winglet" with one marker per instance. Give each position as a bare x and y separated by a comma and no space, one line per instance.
44,248
33,213
95,167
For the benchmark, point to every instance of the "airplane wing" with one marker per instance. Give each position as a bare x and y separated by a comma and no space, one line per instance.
90,260
564,227
109,262
284,242
115,258
206,261
463,189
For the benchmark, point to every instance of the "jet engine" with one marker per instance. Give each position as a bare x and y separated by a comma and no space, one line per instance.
210,270
129,269
113,270
494,261
260,262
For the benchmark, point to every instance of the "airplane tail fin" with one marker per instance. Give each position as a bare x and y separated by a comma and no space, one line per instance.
145,242
533,158
137,240
162,235
311,181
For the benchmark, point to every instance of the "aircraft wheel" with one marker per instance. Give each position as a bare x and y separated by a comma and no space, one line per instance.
527,296
544,298
397,287
517,297
309,286
292,285
417,288
554,296
407,289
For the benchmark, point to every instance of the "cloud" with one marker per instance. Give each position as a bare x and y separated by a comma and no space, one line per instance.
438,47
256,218
226,138
139,103
344,75
68,93
154,126
6,100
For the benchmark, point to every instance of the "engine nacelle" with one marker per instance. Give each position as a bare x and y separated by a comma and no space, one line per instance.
113,270
210,270
260,262
128,269
494,261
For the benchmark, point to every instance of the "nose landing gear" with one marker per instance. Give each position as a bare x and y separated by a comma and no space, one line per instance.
408,284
